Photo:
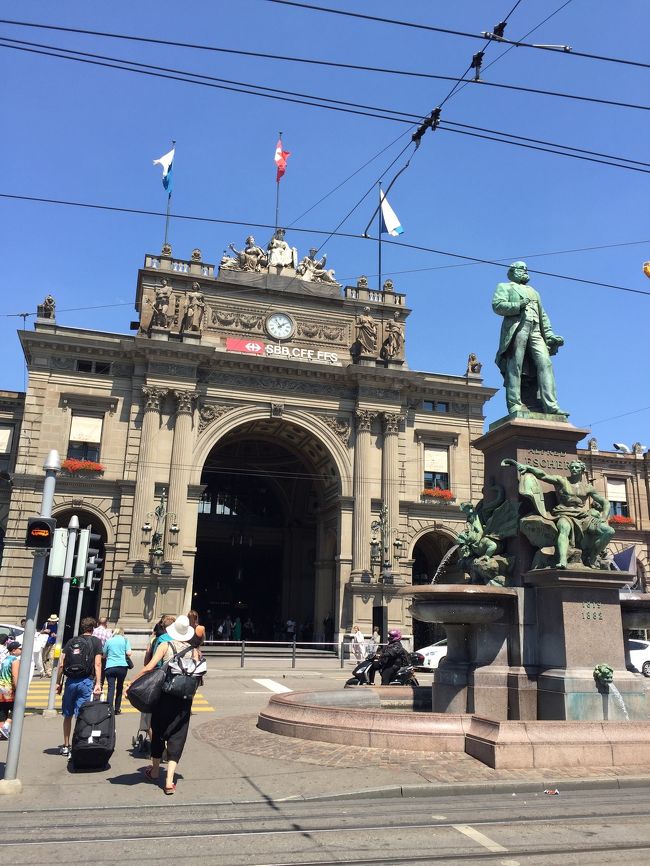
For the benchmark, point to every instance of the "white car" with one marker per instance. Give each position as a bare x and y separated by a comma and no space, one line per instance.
640,655
429,656
12,631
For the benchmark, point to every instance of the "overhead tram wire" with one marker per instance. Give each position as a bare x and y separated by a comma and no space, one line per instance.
417,26
151,69
329,233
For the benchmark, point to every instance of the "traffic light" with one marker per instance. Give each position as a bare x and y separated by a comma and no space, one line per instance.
40,532
93,562
58,551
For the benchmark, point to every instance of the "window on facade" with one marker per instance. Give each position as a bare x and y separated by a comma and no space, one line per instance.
85,437
435,406
205,503
617,495
6,439
102,368
436,467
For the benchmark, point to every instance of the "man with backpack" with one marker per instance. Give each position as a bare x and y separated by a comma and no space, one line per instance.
81,662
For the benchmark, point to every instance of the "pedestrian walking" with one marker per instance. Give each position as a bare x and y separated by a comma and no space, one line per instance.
374,643
117,655
8,680
50,629
103,632
81,663
358,643
236,629
142,740
170,717
199,631
4,652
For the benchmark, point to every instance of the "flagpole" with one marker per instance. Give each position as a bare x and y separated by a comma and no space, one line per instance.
169,203
379,235
277,193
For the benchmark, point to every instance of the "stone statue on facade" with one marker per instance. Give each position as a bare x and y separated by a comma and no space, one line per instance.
47,309
194,312
251,258
314,270
281,255
474,366
576,528
480,544
362,282
526,344
160,306
394,342
366,333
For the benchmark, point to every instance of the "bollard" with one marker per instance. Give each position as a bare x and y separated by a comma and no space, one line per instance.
293,654
243,653
342,654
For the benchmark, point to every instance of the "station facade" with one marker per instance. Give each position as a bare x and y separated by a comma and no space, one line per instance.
258,447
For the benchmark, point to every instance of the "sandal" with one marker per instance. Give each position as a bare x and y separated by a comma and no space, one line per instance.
148,775
170,789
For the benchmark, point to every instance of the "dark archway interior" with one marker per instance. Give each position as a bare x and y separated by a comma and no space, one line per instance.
256,536
51,593
427,556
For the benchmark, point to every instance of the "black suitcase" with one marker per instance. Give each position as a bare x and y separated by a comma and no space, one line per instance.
93,740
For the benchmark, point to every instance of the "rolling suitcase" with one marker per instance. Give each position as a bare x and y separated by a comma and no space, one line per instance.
93,740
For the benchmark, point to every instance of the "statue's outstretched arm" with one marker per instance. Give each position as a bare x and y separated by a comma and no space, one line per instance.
532,470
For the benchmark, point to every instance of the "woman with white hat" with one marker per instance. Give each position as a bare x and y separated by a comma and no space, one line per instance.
170,717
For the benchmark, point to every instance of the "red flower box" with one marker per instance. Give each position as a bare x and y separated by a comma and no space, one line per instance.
620,520
73,466
438,494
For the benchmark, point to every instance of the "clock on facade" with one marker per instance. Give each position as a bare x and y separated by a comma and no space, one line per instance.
279,326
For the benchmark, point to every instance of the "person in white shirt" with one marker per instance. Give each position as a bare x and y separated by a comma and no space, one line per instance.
358,643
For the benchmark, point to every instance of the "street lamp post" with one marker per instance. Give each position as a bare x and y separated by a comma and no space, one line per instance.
380,557
155,520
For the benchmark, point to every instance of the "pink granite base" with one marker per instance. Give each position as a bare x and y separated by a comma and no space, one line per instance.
360,718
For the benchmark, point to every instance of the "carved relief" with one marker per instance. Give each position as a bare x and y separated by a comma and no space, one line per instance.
391,423
184,401
210,412
153,398
266,383
165,369
340,426
62,363
277,410
308,329
364,418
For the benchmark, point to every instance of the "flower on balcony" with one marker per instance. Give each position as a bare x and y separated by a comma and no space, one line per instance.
620,520
437,493
74,467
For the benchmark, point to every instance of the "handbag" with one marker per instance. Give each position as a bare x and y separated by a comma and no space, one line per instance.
129,662
145,692
181,677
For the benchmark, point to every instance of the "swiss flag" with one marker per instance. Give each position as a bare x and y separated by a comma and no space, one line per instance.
250,347
281,157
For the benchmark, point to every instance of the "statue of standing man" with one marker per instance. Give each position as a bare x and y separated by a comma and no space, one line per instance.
526,344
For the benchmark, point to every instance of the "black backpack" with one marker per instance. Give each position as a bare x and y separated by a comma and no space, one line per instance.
79,658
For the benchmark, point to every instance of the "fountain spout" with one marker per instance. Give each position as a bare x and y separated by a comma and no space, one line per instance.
443,562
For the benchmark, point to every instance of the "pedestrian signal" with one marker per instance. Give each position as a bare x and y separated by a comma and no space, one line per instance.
40,532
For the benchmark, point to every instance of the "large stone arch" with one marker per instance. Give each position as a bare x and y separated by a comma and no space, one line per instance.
313,424
294,550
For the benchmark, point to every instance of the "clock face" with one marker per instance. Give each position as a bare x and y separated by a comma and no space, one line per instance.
279,326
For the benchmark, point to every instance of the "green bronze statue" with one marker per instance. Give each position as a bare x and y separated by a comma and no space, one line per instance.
526,344
576,527
480,544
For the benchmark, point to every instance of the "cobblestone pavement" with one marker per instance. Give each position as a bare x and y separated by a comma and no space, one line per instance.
240,734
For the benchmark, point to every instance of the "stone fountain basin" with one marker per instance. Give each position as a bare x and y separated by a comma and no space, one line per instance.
635,609
466,604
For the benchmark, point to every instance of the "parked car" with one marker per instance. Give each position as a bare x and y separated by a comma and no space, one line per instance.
12,631
429,656
640,655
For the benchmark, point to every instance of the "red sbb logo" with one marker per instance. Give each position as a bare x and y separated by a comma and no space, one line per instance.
249,347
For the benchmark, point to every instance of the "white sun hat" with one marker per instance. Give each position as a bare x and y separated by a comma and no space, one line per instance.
180,629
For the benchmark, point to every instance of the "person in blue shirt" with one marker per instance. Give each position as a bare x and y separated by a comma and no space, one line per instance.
117,652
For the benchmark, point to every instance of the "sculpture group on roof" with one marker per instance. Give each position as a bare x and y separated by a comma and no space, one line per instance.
277,257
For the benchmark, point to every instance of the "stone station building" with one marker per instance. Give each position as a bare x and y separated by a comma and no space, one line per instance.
252,439
250,432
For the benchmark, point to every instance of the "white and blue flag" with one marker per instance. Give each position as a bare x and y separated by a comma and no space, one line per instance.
390,225
167,162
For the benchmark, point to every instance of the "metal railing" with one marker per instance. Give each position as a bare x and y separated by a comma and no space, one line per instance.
337,649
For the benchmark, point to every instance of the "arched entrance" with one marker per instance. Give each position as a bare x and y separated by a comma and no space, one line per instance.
428,553
270,492
51,592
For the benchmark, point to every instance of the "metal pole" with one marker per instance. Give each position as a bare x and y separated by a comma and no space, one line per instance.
52,465
293,654
169,203
277,193
342,654
379,217
73,530
77,616
243,652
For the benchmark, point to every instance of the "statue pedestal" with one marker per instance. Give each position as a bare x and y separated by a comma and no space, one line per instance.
193,337
157,333
548,445
579,625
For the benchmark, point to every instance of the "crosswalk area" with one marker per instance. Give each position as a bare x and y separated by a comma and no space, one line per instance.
39,690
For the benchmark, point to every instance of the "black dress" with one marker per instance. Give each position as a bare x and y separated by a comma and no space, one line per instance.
170,718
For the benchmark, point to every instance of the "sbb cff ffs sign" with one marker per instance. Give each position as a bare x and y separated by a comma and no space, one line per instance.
40,532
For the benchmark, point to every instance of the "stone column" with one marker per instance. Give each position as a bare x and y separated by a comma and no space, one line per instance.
390,476
361,533
144,485
179,473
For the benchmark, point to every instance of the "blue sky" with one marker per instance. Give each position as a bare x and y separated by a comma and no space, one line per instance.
84,133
